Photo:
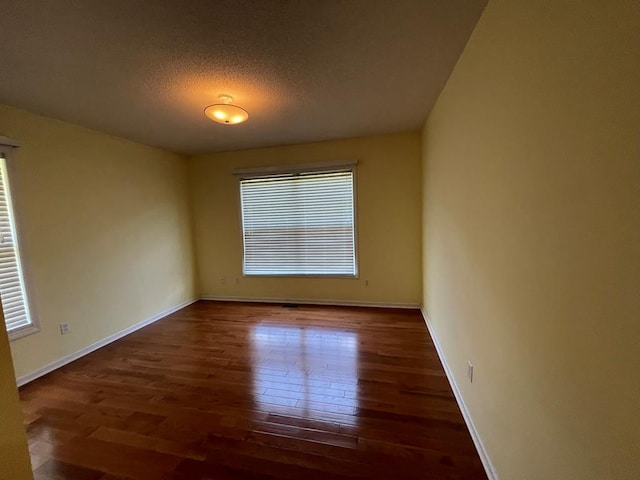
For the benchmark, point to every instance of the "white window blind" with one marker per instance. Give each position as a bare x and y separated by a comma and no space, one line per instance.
12,287
299,224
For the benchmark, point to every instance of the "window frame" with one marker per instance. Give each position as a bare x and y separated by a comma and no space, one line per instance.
7,151
293,170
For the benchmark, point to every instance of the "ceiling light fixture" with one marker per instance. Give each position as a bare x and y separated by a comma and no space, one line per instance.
225,113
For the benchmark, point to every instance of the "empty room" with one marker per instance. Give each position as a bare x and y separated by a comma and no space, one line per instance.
341,239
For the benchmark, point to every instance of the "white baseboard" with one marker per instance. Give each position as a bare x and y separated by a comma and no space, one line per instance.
310,301
29,377
482,451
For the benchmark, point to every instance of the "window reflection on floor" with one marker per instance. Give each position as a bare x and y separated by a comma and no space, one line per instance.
309,372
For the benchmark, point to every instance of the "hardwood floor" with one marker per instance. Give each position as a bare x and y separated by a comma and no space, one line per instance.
253,391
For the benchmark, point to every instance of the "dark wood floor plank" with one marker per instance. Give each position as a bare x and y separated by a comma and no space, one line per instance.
254,391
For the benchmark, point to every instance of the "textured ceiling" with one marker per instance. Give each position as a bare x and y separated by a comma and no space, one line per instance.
304,70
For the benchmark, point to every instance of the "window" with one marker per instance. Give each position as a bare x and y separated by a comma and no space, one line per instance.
299,224
17,315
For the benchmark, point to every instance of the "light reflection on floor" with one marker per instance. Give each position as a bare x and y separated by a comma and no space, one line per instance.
309,372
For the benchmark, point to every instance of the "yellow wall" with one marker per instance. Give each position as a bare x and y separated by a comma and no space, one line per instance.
532,235
105,232
14,456
388,216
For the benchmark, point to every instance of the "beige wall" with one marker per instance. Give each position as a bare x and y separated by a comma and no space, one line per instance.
14,456
105,232
532,235
388,216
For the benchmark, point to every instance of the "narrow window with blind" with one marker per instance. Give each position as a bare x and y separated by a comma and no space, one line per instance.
299,224
17,315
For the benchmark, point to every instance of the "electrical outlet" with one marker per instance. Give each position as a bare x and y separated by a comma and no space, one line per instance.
223,280
366,283
470,371
64,328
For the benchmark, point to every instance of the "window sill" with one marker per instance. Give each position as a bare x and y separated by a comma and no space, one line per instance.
23,332
300,275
